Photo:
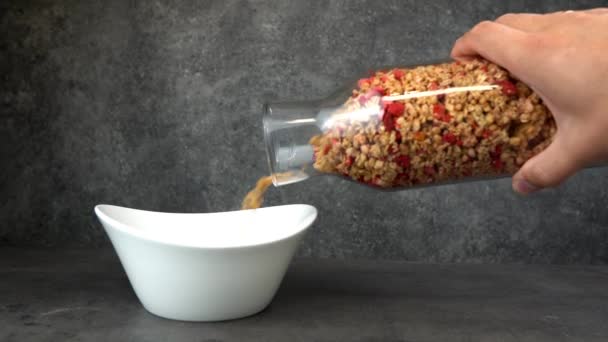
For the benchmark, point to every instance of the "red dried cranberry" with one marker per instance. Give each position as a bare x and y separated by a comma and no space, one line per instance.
326,149
486,133
348,161
433,86
398,137
384,78
508,88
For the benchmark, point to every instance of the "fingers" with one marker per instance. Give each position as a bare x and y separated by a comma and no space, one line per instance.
499,43
597,11
531,22
549,168
524,21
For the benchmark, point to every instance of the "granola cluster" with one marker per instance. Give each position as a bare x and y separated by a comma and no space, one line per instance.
438,123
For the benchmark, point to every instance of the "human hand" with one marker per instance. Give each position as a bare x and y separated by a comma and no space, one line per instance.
563,57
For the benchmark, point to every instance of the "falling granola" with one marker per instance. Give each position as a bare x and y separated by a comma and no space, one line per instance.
255,197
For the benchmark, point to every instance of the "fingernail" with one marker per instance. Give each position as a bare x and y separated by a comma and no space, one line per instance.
524,187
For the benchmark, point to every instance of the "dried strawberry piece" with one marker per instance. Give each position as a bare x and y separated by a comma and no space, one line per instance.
440,113
335,141
508,88
384,78
403,161
395,109
495,155
398,74
498,150
484,68
392,110
450,138
348,161
389,122
433,86
438,110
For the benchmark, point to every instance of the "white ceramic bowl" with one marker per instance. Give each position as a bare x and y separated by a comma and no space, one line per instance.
206,267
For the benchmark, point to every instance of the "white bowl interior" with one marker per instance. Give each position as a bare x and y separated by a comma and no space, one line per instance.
214,230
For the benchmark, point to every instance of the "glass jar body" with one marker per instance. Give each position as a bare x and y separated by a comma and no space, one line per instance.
411,126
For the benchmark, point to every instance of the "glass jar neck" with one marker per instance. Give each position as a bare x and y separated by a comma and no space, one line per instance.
288,128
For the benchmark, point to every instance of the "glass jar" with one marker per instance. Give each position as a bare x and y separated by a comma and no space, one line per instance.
412,126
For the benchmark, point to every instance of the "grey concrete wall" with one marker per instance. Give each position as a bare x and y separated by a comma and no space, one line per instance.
156,105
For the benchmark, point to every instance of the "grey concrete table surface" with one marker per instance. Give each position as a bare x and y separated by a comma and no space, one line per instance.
51,295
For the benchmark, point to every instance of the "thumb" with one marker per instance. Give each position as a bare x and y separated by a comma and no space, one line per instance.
547,169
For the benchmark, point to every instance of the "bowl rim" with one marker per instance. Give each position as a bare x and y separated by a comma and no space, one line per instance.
131,231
